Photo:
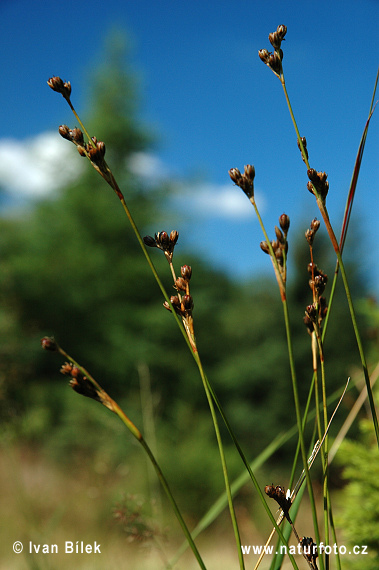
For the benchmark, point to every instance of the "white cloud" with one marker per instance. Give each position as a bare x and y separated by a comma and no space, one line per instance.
225,201
37,166
148,166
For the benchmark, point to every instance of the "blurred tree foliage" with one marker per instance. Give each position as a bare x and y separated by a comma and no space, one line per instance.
359,505
72,268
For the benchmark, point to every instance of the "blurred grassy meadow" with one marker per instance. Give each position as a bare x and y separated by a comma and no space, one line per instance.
69,471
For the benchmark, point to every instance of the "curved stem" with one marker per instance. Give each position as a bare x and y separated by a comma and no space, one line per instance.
170,496
114,407
223,460
300,425
333,239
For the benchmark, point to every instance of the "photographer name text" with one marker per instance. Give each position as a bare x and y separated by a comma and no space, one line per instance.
69,547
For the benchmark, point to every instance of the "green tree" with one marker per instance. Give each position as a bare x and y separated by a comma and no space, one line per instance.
359,514
72,268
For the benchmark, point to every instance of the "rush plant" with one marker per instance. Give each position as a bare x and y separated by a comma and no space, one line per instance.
316,316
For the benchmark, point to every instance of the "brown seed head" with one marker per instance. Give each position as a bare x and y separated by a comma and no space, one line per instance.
48,343
309,236
281,31
235,175
187,303
264,55
249,172
174,236
275,40
310,548
308,323
58,85
65,132
275,62
84,387
311,312
186,272
320,284
277,37
181,284
67,368
175,301
270,490
264,247
246,180
279,495
96,154
310,233
284,223
304,141
319,181
77,136
150,241
163,240
279,235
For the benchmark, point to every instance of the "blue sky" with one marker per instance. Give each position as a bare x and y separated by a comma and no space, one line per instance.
214,104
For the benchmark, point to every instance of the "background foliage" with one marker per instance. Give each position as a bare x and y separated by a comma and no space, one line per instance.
71,267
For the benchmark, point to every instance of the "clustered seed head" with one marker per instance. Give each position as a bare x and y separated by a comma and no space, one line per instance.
284,223
96,153
64,87
264,247
309,548
280,496
311,232
277,37
181,303
94,150
246,180
280,245
80,383
304,142
163,241
274,60
48,343
316,312
65,132
182,283
319,181
182,307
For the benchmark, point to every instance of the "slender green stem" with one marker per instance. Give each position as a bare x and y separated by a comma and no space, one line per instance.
315,376
138,435
209,398
249,470
203,376
170,496
324,454
334,534
334,241
275,264
282,289
207,387
110,180
353,316
223,460
80,123
300,425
